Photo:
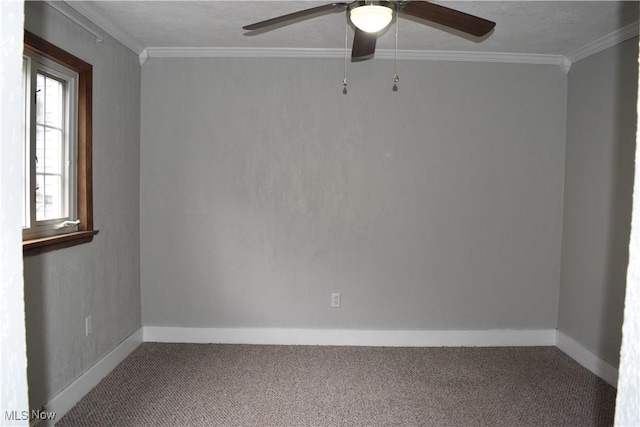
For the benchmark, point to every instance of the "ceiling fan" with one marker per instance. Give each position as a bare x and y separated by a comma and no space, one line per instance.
369,17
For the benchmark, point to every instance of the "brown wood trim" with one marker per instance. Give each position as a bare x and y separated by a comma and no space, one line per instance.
48,244
53,52
85,154
85,147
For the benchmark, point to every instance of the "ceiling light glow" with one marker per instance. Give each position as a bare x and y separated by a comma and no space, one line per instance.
371,18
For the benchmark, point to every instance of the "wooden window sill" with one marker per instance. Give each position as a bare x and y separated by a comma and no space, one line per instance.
52,243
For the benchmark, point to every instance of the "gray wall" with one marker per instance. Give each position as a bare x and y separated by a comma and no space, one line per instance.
102,278
601,129
264,188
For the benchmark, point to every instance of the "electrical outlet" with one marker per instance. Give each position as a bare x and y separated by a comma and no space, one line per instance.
335,300
87,325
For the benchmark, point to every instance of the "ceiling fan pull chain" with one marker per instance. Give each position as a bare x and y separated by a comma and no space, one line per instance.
346,49
396,79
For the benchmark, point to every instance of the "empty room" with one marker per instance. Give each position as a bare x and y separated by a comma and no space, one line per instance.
269,213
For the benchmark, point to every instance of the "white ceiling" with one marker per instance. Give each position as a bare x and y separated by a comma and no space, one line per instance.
542,27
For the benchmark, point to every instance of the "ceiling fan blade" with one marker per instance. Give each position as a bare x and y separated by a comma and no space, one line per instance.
364,44
449,17
332,7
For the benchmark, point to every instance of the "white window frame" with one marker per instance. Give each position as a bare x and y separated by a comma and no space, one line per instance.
35,64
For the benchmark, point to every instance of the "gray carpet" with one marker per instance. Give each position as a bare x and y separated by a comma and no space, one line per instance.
249,385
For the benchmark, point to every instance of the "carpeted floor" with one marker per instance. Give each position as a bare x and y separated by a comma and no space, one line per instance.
250,385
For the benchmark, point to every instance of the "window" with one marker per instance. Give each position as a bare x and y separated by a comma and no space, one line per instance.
57,190
49,148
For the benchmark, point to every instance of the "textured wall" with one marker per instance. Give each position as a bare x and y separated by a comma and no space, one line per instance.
264,188
601,128
628,397
13,358
101,278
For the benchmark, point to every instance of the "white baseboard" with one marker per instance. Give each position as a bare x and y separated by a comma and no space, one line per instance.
71,395
391,338
586,358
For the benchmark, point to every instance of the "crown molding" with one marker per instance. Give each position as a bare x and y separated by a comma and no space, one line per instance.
566,65
94,15
414,55
82,21
144,55
612,39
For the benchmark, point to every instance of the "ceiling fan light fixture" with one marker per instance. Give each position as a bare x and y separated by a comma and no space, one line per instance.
371,18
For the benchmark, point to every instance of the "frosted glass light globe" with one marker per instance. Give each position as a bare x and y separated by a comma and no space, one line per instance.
371,18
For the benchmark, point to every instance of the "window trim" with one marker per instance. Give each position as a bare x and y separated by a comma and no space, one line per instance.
84,202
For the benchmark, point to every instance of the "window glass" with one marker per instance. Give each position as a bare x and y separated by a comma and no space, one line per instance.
48,184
